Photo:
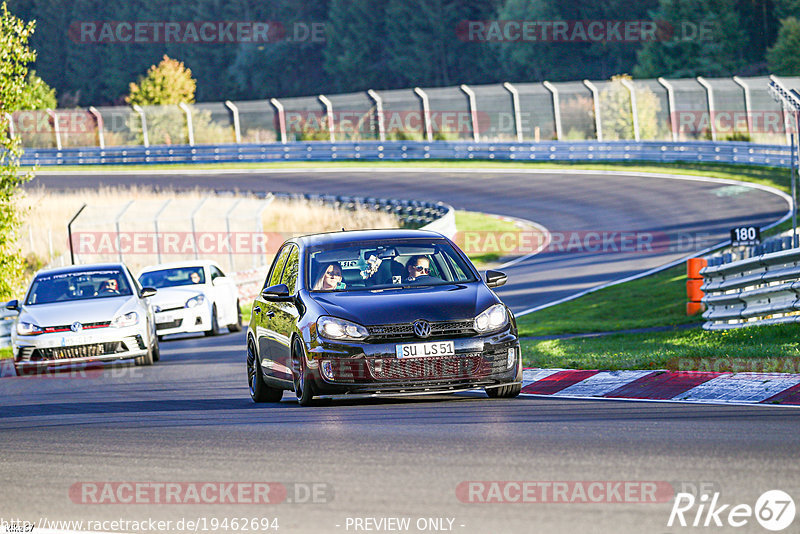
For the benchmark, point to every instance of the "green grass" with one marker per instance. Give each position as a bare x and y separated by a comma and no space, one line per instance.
656,300
470,221
756,349
5,353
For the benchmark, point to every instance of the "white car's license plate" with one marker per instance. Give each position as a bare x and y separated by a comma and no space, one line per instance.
423,350
165,318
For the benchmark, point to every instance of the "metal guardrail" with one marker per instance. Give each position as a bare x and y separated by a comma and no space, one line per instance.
651,151
6,322
763,290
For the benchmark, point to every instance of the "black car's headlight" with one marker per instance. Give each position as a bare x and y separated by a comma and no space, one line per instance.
493,318
28,329
335,328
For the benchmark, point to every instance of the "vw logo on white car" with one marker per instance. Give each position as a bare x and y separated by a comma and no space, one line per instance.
76,326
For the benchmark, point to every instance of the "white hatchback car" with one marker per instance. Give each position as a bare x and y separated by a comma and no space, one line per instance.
81,314
193,296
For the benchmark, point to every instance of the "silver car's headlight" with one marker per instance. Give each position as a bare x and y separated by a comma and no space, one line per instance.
194,301
28,329
129,319
335,328
493,318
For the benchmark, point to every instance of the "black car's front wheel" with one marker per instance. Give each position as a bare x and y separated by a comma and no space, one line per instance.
259,391
303,384
504,392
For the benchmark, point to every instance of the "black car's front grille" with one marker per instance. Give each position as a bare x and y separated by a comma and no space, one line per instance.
406,330
77,351
461,366
171,324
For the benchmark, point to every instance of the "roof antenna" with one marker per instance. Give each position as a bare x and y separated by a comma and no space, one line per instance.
343,230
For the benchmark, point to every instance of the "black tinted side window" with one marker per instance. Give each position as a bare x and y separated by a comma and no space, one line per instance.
277,267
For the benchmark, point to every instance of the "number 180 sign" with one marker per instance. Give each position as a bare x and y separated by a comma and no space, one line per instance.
745,236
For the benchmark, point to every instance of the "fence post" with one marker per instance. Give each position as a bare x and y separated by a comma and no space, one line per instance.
379,112
281,118
116,226
228,231
138,109
598,122
155,224
329,113
783,107
748,108
56,131
194,229
673,118
556,108
473,112
69,234
189,125
711,108
634,108
517,112
237,132
426,113
101,140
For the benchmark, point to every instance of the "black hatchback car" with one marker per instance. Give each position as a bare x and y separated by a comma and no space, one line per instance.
379,312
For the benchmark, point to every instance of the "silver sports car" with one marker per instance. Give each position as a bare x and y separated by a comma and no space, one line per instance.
83,313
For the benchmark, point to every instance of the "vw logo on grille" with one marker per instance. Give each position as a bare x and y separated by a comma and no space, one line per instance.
422,328
76,326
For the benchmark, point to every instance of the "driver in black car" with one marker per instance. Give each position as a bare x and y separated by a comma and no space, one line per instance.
419,268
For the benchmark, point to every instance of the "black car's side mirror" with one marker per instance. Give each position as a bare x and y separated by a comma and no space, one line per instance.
495,278
148,292
12,305
276,293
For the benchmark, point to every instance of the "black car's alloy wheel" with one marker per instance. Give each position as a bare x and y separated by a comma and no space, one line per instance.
504,392
303,385
259,391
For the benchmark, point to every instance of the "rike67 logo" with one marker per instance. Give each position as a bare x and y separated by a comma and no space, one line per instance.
774,510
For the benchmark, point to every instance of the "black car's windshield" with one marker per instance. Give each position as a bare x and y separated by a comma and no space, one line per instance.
385,264
79,285
181,276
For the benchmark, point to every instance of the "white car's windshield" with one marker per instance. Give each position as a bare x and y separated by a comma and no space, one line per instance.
180,276
47,288
389,263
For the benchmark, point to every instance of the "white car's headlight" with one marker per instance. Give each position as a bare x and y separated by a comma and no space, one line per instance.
129,319
493,318
28,329
195,301
334,328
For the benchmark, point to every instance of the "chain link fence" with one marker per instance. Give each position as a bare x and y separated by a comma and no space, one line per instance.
738,109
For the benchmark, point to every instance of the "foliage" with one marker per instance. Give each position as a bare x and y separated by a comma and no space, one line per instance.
617,113
14,35
697,38
783,58
37,94
169,82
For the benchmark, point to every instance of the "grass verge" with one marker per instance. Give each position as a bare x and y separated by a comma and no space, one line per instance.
5,352
470,221
756,349
657,300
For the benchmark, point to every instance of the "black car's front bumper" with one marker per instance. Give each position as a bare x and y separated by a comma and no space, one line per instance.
374,369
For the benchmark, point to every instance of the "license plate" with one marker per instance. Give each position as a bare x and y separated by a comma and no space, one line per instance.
424,350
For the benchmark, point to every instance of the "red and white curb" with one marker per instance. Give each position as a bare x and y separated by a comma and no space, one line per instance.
676,386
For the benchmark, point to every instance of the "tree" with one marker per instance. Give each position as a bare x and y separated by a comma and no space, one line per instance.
37,94
14,36
699,38
783,58
169,82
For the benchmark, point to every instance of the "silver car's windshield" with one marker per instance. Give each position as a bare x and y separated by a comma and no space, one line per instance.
79,285
181,276
386,264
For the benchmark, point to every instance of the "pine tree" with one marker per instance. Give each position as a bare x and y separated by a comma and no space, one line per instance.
783,57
